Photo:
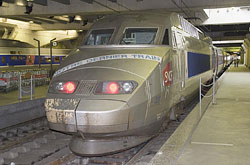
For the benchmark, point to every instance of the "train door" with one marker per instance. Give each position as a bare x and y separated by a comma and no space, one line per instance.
153,84
214,61
181,55
179,49
159,84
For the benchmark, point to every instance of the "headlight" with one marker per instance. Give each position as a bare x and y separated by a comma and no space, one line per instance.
63,87
116,87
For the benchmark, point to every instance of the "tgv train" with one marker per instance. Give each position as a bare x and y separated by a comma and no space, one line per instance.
218,63
130,75
16,53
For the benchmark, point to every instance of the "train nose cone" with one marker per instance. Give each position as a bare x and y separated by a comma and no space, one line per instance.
102,116
61,114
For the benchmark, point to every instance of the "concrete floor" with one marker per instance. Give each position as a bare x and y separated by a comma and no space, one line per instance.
223,134
12,97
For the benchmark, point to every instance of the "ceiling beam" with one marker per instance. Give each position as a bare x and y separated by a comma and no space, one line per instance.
41,2
226,28
229,45
71,26
52,20
88,1
25,20
114,1
42,20
65,2
9,1
57,19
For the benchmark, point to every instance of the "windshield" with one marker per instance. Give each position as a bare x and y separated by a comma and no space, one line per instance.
99,37
133,36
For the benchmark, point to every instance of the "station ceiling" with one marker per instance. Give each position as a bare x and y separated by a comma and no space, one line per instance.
79,14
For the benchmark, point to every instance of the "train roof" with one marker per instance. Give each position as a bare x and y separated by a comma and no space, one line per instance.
152,18
161,21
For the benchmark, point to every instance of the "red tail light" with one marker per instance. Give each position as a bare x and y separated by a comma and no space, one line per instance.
69,87
63,87
113,88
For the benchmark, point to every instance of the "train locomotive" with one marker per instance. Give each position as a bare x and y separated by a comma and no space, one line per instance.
130,75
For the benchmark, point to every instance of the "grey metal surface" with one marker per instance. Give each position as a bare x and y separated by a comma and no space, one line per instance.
21,112
160,71
101,147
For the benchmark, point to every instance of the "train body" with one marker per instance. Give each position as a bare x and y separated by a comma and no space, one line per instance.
218,62
16,53
130,75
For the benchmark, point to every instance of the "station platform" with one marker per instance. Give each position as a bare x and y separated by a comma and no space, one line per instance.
221,135
14,111
12,97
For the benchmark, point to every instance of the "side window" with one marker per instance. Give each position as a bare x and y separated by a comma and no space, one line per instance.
13,58
47,59
165,40
179,40
57,59
29,58
3,60
41,59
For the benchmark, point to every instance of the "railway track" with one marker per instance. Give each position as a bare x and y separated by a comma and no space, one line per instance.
33,143
29,143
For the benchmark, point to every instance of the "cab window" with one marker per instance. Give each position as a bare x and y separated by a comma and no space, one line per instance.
134,36
99,37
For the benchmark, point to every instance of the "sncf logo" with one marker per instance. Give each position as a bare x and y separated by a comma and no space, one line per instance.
168,74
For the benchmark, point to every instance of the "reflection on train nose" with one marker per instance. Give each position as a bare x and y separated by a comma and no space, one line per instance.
103,115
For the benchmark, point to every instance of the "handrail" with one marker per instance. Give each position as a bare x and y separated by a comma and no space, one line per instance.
202,95
22,91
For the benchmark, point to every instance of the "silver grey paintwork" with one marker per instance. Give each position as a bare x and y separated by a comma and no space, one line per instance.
108,123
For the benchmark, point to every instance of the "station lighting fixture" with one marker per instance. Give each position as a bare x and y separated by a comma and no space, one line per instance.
21,2
228,41
78,18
